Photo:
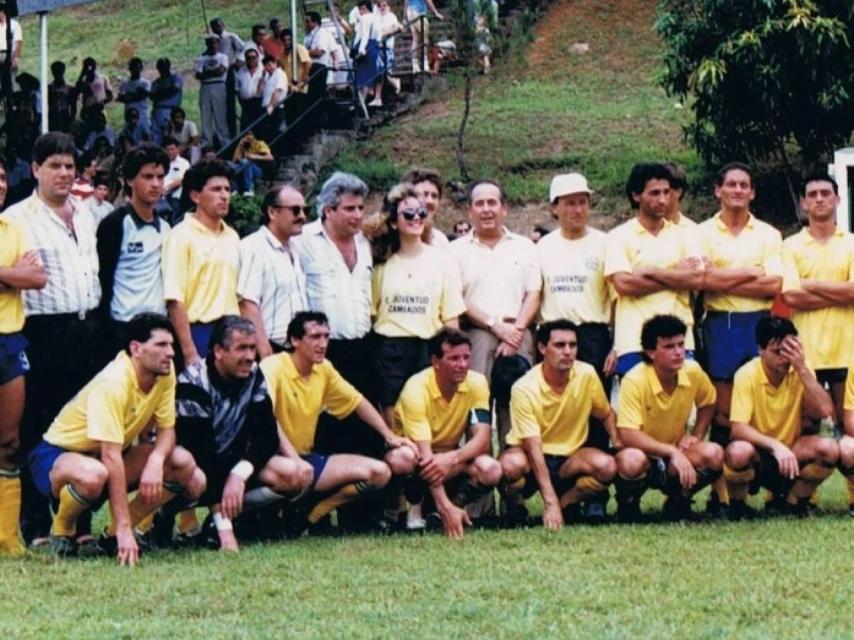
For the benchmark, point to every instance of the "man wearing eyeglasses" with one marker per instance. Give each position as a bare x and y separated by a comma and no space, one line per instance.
271,284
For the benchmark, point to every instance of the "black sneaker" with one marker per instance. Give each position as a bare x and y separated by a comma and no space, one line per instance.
678,508
629,512
776,506
161,533
572,514
62,546
714,507
88,547
516,516
594,513
739,510
801,509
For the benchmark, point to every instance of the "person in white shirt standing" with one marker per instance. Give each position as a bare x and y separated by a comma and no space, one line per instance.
275,90
271,284
320,45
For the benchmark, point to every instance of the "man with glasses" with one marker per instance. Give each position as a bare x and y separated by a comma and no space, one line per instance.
271,284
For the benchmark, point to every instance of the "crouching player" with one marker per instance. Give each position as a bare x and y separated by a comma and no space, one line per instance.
657,397
89,447
302,383
772,395
225,418
550,410
846,444
436,408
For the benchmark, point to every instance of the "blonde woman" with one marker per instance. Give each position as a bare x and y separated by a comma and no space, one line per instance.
416,291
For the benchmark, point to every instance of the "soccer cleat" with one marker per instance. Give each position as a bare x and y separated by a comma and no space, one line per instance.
62,546
594,513
572,514
88,547
629,512
801,509
678,508
776,506
516,516
739,510
161,532
714,506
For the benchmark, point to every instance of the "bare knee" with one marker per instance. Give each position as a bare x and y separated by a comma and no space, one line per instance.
513,465
711,456
197,484
846,452
604,468
402,461
632,463
827,451
488,471
739,454
90,484
379,474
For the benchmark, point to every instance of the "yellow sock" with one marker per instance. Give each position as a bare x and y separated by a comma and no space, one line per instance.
71,505
10,513
720,487
517,485
850,479
187,521
737,482
145,524
345,494
590,485
139,511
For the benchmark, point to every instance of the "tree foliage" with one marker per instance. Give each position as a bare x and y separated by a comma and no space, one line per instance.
761,75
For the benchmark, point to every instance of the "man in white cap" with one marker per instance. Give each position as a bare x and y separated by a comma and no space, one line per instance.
572,261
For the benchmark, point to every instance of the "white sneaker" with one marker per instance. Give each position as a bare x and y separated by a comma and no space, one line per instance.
414,519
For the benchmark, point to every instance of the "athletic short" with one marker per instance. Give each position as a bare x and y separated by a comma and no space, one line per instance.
398,359
40,462
627,361
201,333
658,478
730,340
13,359
832,376
768,475
318,464
561,485
594,344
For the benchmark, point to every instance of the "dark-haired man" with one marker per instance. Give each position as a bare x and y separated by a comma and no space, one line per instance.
744,271
89,448
436,408
211,69
231,46
167,91
303,383
134,92
428,187
226,420
678,187
657,398
550,408
61,326
321,47
651,264
201,260
271,284
130,241
772,395
174,178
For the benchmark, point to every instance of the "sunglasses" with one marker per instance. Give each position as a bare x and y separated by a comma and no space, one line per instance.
413,213
293,208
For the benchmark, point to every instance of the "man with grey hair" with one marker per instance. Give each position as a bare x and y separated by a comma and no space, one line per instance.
271,284
336,259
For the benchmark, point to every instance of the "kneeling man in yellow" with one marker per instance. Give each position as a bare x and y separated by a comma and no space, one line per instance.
772,396
550,410
657,397
88,449
302,383
436,408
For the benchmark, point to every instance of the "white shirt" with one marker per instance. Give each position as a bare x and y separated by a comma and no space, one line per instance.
276,80
17,36
320,39
495,280
271,277
98,210
70,260
343,295
177,168
247,82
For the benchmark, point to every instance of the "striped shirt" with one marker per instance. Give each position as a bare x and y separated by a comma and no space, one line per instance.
343,295
70,259
272,279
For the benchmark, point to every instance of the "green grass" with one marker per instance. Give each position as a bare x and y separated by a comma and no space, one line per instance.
780,579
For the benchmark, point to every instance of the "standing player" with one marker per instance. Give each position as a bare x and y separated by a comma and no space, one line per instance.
550,408
89,448
656,400
436,408
772,395
744,271
20,269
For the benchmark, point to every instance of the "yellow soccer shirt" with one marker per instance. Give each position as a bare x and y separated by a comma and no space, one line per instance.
415,296
574,284
200,269
298,401
773,411
629,246
423,415
827,334
645,405
758,244
12,247
560,420
848,401
112,408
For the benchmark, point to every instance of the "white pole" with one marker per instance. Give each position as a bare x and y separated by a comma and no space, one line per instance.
43,84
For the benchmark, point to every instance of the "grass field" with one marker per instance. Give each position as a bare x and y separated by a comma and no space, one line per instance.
780,578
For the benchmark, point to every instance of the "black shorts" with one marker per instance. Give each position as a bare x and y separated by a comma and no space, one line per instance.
398,359
768,475
832,376
594,345
561,485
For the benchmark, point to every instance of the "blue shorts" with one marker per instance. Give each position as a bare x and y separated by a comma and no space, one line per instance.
627,361
201,333
41,461
730,341
318,464
13,359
